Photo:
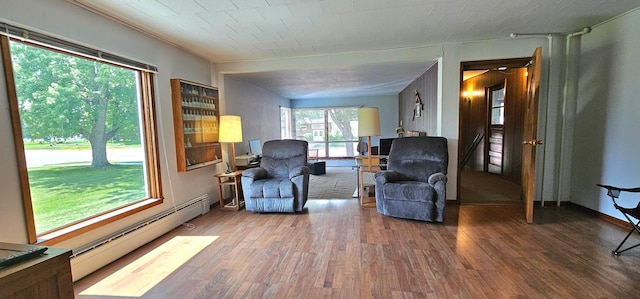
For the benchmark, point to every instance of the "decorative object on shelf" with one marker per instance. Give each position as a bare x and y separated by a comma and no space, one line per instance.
417,107
229,170
416,133
368,125
231,132
400,130
361,147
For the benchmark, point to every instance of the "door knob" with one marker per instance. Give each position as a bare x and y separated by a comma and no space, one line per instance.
532,142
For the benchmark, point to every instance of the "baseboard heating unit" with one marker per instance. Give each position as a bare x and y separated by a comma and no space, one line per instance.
97,254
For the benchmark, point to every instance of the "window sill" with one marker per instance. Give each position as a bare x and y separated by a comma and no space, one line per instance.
79,228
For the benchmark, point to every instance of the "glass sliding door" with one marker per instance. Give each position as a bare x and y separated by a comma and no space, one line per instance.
309,125
333,131
343,134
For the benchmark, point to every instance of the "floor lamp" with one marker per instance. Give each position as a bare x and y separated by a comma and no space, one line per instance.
368,125
231,132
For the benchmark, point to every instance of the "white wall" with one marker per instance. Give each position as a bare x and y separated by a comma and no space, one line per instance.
606,141
65,20
258,108
387,106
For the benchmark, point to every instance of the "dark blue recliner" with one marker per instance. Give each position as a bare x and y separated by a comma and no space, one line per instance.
413,186
281,183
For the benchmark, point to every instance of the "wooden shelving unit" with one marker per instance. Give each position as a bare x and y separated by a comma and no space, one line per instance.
195,121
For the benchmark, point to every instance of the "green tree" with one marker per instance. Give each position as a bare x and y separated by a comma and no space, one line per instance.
62,96
342,118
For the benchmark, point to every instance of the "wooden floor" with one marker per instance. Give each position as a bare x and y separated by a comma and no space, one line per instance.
337,249
482,187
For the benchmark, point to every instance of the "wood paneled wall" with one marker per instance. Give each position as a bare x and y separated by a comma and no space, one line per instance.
427,86
474,115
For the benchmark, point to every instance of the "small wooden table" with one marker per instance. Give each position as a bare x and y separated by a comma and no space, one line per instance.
44,276
366,201
232,180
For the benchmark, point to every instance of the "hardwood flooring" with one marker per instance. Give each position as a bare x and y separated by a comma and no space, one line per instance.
482,187
337,249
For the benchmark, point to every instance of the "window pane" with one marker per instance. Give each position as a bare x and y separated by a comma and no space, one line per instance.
497,98
497,116
285,123
82,134
342,149
320,147
342,124
497,106
309,124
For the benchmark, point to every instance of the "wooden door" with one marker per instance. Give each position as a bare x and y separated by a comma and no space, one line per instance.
530,140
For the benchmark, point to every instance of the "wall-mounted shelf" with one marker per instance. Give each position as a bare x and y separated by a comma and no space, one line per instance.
195,122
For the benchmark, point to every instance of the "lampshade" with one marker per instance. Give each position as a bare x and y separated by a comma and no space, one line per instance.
230,129
368,122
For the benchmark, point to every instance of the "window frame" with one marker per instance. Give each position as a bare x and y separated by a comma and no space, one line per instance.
150,146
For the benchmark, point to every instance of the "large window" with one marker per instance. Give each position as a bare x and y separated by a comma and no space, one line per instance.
286,131
333,131
85,138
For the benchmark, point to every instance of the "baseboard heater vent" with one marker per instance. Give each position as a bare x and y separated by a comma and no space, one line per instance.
202,200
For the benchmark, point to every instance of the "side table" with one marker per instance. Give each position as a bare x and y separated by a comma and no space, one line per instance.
232,180
366,201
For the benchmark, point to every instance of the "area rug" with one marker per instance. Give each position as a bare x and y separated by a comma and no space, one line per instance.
337,183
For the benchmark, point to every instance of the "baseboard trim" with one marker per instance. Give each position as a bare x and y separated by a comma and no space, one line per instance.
597,214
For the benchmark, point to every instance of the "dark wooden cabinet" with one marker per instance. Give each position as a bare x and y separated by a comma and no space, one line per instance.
45,276
195,121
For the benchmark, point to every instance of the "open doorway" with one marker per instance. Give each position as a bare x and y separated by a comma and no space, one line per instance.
492,107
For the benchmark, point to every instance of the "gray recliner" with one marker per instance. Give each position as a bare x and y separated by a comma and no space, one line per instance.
281,183
413,186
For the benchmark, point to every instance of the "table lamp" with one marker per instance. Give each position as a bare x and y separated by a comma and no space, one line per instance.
368,125
231,132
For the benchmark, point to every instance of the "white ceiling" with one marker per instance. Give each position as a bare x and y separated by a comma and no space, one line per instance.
245,31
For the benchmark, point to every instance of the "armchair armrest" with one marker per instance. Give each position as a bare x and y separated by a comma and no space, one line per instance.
257,173
300,170
437,177
388,176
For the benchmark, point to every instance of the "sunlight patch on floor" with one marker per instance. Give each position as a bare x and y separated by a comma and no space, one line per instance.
140,276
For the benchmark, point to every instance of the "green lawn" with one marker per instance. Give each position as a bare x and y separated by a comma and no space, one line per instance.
64,194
